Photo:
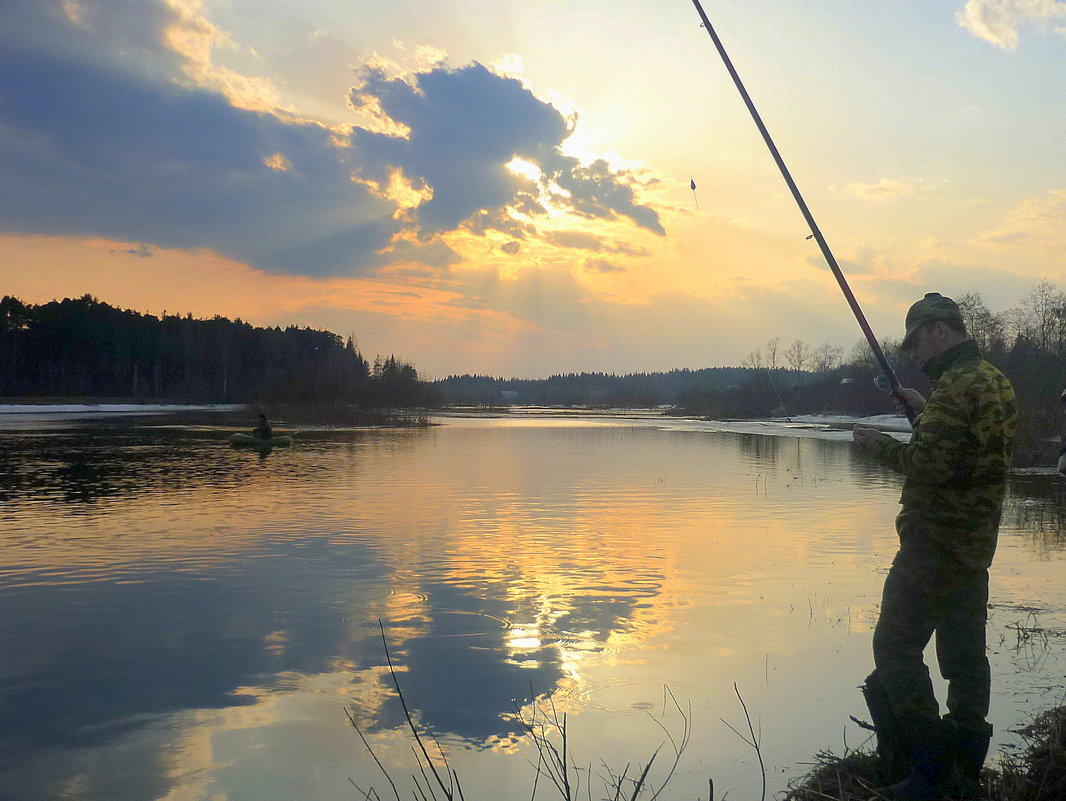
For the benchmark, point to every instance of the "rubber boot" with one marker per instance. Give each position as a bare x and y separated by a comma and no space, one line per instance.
930,758
969,747
894,762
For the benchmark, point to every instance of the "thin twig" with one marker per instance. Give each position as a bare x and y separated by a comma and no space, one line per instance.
618,782
366,793
407,714
686,734
359,731
643,775
418,787
753,742
536,774
422,770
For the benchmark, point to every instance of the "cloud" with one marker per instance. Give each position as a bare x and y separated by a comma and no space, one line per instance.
583,241
434,253
603,266
1037,225
142,250
499,220
194,38
457,130
998,21
864,261
886,189
937,269
116,122
595,191
94,146
574,239
90,151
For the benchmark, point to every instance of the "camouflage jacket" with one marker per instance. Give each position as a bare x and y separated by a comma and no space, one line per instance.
956,462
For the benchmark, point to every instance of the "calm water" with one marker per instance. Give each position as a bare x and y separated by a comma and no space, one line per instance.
179,620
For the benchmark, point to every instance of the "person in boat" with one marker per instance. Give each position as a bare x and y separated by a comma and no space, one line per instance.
954,467
263,430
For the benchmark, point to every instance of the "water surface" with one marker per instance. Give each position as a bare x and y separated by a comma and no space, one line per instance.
185,621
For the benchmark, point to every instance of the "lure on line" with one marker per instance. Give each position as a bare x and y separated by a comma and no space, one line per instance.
692,186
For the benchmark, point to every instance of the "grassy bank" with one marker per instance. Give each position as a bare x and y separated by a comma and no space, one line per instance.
1036,772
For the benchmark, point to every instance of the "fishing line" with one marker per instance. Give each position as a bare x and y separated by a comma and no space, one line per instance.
875,346
773,384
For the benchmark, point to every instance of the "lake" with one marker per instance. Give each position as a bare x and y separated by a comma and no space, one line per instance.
181,620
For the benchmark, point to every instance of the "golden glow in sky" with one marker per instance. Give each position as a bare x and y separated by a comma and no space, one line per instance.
504,188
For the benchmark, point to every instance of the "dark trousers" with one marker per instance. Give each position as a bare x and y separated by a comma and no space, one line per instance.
925,592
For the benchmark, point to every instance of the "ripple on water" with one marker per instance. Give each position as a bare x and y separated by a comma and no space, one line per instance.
573,642
440,622
615,694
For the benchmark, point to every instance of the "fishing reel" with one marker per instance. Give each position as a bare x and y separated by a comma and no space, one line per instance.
883,384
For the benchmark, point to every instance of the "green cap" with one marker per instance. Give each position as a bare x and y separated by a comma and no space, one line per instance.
934,307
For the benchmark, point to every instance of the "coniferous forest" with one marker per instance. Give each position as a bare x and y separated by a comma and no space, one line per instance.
86,348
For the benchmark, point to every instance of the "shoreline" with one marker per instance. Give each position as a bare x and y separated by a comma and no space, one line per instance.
28,413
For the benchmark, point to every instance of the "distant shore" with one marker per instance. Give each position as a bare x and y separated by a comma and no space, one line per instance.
24,413
47,412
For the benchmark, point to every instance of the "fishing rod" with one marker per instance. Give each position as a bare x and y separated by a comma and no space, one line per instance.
875,346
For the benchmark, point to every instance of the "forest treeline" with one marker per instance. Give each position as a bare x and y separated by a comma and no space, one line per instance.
1027,342
600,390
86,348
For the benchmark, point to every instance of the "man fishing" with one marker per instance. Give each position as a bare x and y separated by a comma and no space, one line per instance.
954,469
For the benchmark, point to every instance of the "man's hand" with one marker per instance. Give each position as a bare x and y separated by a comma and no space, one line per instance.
914,399
1062,464
864,435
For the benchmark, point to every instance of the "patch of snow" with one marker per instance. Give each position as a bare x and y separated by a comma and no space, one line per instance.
49,415
884,422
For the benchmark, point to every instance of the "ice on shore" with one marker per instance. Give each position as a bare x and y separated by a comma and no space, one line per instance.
832,427
52,415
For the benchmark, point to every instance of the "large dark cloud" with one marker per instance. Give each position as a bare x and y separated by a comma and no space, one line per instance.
90,150
464,126
100,134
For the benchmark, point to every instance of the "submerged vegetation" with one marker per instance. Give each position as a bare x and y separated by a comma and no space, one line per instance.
556,766
1034,772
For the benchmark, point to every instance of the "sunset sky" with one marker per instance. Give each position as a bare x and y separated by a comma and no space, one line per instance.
503,187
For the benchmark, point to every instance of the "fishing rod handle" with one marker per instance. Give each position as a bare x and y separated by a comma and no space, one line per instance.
892,387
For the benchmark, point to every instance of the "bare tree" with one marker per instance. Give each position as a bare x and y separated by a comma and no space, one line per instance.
861,354
753,360
826,357
983,326
1039,316
893,350
798,354
772,347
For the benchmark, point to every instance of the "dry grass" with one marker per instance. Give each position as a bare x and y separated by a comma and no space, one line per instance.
849,778
1036,773
436,780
